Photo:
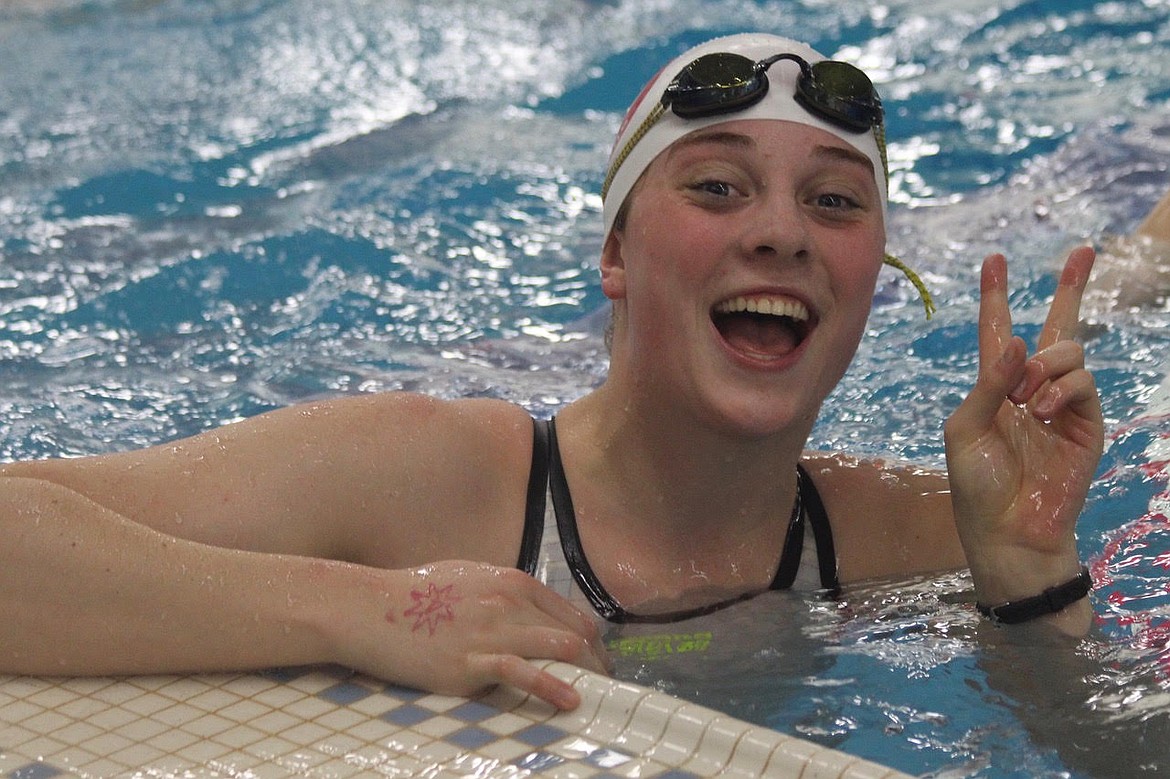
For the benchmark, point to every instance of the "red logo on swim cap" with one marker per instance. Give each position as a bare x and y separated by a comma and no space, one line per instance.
634,108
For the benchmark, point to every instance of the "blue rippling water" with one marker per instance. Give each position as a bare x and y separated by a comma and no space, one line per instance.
210,209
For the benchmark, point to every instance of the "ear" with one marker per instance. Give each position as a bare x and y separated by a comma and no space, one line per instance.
613,267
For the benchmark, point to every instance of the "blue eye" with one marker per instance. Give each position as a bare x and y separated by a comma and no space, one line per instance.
834,201
720,188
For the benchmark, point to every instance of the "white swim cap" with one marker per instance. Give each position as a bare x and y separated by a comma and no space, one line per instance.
779,103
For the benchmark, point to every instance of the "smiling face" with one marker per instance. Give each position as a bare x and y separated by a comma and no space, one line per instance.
743,276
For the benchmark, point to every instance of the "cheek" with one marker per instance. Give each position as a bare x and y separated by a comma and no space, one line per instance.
865,260
865,282
855,285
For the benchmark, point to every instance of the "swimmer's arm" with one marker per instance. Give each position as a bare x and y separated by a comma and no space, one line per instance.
84,591
392,480
1156,225
205,555
889,519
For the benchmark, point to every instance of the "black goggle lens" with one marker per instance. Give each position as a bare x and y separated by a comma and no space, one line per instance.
724,82
841,92
715,84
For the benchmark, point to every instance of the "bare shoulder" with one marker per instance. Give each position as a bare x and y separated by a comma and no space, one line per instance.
447,479
412,479
379,425
888,519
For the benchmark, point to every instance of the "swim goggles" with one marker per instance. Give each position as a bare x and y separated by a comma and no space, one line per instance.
723,83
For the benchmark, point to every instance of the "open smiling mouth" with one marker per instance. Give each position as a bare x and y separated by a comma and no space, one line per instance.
762,326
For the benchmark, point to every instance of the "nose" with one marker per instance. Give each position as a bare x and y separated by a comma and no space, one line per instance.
776,227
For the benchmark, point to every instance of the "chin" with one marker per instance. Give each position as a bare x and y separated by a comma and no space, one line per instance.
764,417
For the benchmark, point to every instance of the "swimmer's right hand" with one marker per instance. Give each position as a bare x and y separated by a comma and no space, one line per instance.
458,628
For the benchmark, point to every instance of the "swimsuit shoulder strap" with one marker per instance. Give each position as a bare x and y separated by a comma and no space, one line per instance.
793,545
566,516
535,505
818,519
808,505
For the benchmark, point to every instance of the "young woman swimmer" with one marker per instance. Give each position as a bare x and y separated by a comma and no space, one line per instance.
408,537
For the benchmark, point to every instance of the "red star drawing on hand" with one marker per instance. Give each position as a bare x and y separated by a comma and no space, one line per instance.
432,607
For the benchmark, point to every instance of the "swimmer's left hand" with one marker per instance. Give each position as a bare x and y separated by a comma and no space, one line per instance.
1023,447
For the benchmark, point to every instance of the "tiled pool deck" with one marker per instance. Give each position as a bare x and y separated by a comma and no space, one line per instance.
325,722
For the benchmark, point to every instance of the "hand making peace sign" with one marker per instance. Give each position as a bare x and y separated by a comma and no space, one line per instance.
1023,447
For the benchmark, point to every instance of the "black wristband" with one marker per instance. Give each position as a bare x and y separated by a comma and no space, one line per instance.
1050,601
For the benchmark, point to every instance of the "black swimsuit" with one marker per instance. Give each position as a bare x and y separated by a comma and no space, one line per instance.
547,478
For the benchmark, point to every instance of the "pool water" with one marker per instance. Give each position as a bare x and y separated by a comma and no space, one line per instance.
212,209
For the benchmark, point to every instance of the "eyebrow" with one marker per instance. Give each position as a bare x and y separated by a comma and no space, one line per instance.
723,137
744,141
845,155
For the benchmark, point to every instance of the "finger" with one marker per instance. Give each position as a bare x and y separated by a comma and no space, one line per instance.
1048,365
1065,311
564,612
523,591
978,410
995,317
527,677
1075,391
527,630
1001,356
563,645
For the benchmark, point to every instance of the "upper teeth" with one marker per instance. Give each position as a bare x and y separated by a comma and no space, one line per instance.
788,307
